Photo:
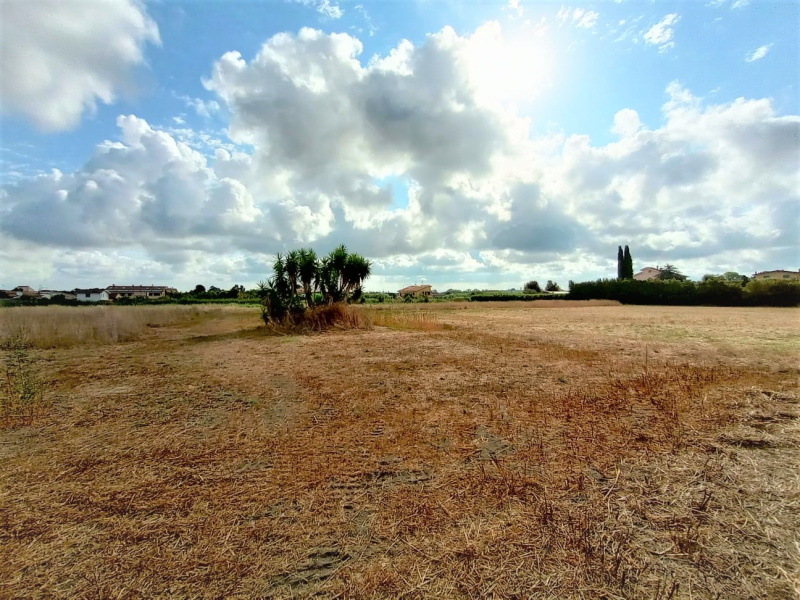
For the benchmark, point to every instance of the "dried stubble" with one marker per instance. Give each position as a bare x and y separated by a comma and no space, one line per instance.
513,453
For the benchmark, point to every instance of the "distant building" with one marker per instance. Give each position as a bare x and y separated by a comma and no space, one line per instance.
780,274
647,273
50,293
25,290
417,291
91,295
138,291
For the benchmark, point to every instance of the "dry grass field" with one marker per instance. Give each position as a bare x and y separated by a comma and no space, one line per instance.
451,451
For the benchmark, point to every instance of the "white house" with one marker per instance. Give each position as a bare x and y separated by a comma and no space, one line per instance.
91,295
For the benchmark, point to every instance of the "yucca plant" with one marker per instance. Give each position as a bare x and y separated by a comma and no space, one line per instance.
308,270
338,277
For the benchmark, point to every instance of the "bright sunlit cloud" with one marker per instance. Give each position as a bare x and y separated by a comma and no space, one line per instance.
510,67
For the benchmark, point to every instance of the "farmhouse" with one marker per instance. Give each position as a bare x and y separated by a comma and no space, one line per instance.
25,290
778,274
417,291
138,291
91,295
647,273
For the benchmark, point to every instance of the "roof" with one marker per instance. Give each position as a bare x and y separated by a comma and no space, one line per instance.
88,291
137,288
777,271
414,288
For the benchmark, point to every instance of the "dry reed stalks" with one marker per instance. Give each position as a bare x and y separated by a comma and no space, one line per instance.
405,318
321,318
66,326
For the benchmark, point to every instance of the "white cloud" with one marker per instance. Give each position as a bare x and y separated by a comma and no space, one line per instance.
333,136
579,17
661,34
58,59
203,108
331,11
626,123
324,7
736,4
584,19
758,53
515,8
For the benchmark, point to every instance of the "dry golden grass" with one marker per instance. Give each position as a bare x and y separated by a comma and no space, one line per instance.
322,318
505,452
64,326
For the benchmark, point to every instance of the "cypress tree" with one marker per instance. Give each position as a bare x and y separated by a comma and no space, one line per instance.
619,263
627,264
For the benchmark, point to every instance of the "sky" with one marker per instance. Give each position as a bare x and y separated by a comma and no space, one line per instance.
461,144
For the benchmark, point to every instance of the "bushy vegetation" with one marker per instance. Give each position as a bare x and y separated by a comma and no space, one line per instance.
532,287
301,281
713,292
510,297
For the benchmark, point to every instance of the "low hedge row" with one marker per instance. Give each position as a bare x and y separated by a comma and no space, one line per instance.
689,293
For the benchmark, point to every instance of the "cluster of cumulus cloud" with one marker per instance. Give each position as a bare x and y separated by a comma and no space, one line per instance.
328,133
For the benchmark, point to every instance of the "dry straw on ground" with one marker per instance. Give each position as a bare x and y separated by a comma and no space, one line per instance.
505,452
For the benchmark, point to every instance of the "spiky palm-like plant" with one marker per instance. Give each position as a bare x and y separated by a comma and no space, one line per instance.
308,271
292,264
339,276
356,270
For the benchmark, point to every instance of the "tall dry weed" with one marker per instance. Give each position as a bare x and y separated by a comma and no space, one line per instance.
403,318
21,390
321,318
65,326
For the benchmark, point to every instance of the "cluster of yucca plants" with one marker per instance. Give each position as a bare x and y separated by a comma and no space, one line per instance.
300,279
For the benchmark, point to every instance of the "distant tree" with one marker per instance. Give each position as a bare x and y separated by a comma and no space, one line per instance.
199,289
551,286
571,284
730,277
237,291
620,263
735,277
627,264
532,287
670,272
214,290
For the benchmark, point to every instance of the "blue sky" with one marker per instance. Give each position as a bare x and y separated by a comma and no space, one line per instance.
503,142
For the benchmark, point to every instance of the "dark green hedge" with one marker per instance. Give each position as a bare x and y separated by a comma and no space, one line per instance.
513,297
689,293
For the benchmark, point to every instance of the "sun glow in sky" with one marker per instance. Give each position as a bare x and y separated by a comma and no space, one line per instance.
467,144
